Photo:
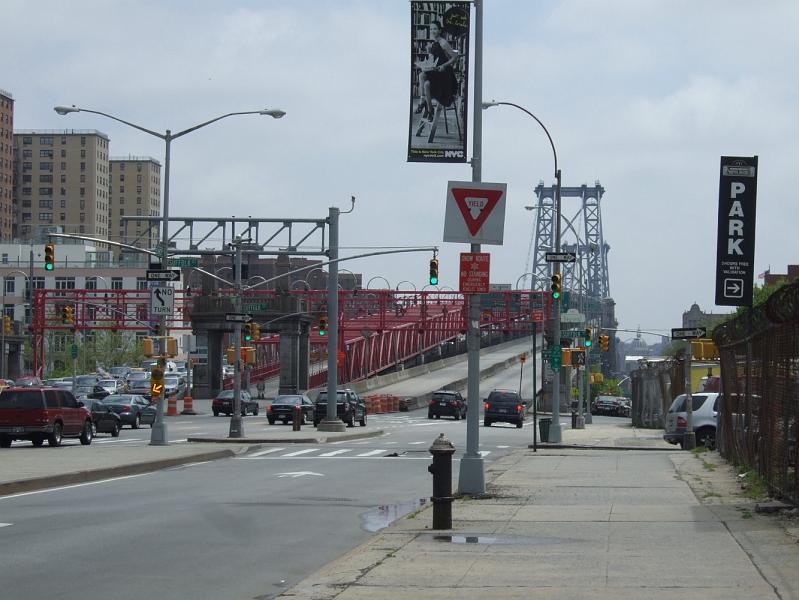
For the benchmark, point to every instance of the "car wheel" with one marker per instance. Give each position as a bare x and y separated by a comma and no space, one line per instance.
37,441
706,437
216,413
363,419
5,441
87,435
54,439
315,423
520,424
486,423
115,430
429,415
136,422
255,411
457,415
351,420
438,416
271,421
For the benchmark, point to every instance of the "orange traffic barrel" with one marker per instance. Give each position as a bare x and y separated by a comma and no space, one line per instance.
188,406
172,407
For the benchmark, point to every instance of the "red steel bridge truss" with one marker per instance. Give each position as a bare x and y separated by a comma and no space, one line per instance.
377,329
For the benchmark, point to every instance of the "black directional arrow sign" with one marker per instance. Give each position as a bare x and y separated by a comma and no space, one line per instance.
163,275
238,318
688,334
566,257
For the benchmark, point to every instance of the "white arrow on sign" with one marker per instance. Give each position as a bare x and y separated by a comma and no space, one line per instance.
295,474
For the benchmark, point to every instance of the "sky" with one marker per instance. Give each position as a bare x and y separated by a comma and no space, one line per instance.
643,96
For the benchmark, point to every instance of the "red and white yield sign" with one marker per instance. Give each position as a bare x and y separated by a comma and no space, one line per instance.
475,212
475,272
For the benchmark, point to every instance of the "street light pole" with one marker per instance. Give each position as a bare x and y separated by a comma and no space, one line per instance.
236,422
555,432
158,435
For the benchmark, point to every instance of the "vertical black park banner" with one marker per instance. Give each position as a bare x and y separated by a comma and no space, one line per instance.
437,116
735,249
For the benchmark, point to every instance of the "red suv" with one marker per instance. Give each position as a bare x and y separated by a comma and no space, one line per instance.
40,413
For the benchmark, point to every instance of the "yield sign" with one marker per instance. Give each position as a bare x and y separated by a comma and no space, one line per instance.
475,212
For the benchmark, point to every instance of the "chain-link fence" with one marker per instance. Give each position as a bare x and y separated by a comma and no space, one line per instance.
759,414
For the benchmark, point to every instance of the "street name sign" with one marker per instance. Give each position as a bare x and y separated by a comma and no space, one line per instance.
688,334
162,301
163,275
567,257
475,212
474,272
186,262
735,245
238,318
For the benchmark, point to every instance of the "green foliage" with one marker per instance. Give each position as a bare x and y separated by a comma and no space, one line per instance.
760,294
95,348
609,387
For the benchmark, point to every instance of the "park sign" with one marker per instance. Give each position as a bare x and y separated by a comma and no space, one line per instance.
735,247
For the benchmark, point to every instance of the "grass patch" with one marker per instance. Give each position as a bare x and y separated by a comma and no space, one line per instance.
754,486
746,515
699,450
711,495
708,466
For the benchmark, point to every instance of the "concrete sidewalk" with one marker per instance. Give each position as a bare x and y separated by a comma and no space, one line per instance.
568,523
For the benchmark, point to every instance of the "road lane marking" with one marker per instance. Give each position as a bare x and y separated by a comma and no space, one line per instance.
485,452
77,485
415,443
503,446
371,453
263,452
335,452
6,524
296,474
298,452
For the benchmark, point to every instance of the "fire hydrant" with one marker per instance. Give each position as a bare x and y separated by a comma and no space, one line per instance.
296,418
442,451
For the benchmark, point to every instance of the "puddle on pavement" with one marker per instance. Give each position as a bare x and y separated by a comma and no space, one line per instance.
514,540
385,514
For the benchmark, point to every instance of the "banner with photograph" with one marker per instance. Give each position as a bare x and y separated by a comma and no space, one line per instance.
439,81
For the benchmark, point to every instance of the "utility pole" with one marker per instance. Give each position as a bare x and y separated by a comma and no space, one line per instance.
555,432
689,437
236,422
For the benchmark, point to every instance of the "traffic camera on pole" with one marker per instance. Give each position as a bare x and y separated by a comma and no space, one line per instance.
433,271
555,287
49,257
323,326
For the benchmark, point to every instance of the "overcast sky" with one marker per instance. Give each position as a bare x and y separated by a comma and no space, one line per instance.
641,95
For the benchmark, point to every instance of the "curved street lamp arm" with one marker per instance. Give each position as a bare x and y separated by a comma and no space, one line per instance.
521,108
214,120
139,127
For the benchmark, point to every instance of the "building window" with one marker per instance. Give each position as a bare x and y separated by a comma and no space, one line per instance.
45,203
83,166
63,155
46,140
63,178
63,216
46,217
10,283
91,283
45,179
65,283
83,153
63,140
44,153
27,153
83,140
141,283
27,139
116,283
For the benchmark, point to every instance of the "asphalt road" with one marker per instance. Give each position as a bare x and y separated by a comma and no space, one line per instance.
246,527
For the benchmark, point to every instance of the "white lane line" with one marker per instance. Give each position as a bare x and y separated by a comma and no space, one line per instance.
415,443
503,446
371,453
263,452
485,452
6,524
387,443
298,452
336,452
69,487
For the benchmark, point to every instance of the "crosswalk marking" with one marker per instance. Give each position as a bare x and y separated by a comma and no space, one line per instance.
335,452
264,452
298,452
415,443
371,453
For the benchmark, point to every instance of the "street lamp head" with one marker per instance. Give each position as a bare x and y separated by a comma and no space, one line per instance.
486,105
275,113
63,110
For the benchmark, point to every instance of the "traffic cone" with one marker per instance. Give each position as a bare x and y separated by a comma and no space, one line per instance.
188,406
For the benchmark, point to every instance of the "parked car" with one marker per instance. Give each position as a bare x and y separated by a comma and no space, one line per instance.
282,408
103,418
133,409
87,379
28,381
174,385
446,403
94,392
119,372
610,405
38,414
138,382
112,386
504,406
349,407
705,407
223,403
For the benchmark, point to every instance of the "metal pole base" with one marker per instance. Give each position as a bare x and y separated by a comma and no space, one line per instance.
580,423
471,478
589,419
335,425
555,433
688,440
158,434
236,427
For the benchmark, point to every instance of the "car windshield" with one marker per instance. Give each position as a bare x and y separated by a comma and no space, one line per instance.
340,395
84,389
108,382
228,394
138,376
85,379
503,397
441,396
21,400
171,380
287,400
118,370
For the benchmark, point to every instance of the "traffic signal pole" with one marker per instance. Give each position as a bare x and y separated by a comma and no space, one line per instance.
236,423
555,432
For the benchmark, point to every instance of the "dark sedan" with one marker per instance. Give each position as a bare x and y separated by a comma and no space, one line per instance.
103,418
223,403
283,408
134,410
446,403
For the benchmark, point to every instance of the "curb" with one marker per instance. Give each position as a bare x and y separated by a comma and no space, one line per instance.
547,445
51,481
322,439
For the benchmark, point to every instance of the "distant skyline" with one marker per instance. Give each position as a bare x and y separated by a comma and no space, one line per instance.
642,96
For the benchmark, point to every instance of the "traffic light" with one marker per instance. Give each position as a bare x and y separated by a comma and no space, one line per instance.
49,257
256,332
171,347
566,357
604,343
67,315
555,287
156,381
323,326
248,332
588,333
157,329
147,347
8,327
433,271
